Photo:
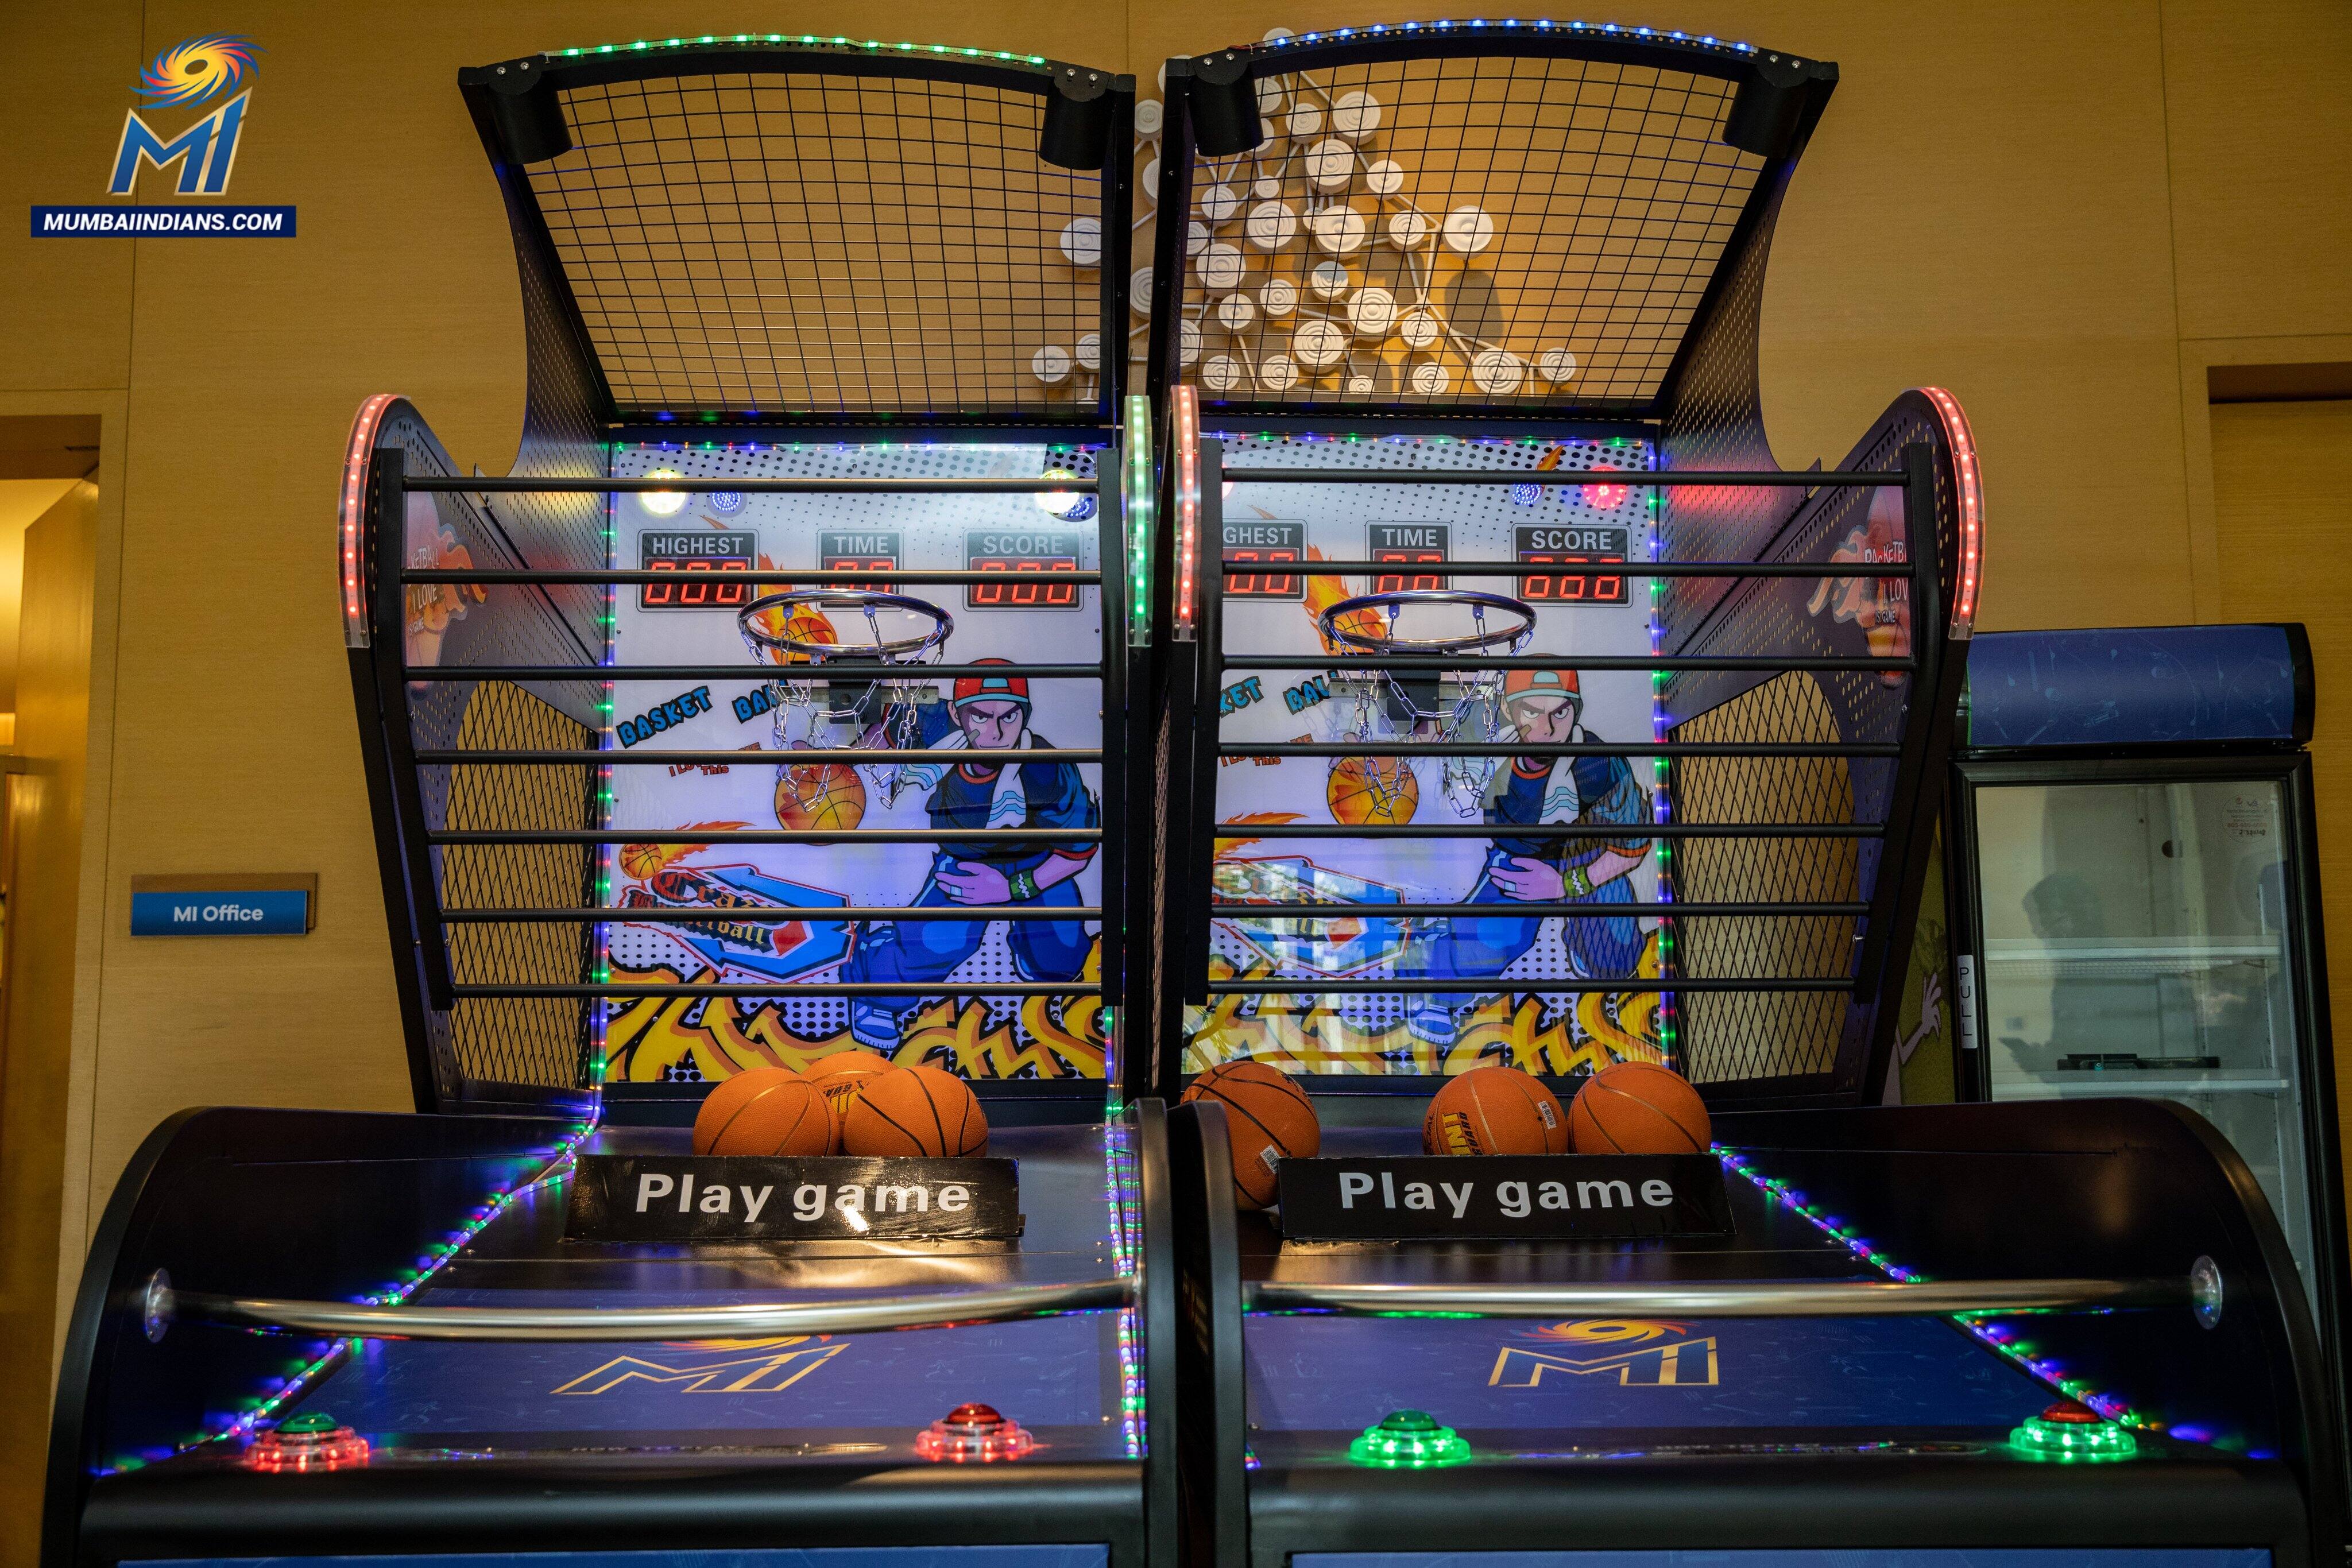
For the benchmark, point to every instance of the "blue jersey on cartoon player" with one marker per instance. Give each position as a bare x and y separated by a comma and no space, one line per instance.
1530,792
975,790
972,794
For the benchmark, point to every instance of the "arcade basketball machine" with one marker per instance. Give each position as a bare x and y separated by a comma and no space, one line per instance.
1524,712
673,737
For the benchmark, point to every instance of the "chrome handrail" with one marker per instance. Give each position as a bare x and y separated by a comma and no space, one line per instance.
1735,1299
355,1319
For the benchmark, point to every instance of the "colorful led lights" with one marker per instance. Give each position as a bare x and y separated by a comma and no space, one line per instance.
808,41
1969,483
974,1434
1142,518
349,515
1186,408
1409,1440
2067,1433
305,1443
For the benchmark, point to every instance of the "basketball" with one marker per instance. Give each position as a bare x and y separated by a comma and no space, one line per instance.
1381,791
767,1111
1639,1108
816,796
841,1078
1495,1111
1269,1119
918,1111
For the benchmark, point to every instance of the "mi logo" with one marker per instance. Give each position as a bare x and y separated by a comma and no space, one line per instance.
744,1375
191,72
206,151
1686,1364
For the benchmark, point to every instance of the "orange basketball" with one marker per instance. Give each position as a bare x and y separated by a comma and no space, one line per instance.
923,1111
1495,1111
767,1111
1381,791
841,1076
815,796
1639,1108
1269,1119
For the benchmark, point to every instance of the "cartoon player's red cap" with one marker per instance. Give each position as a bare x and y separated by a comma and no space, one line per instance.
992,688
1521,684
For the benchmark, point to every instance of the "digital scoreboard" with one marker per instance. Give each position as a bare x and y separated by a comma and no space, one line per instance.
1409,543
703,560
1029,558
865,549
1571,545
1278,545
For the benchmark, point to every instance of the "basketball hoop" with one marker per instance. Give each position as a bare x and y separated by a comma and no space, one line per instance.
1381,700
880,709
1510,638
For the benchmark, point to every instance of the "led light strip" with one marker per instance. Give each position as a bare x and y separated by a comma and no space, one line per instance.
303,1378
1512,24
1969,481
348,515
1119,1181
1141,520
1996,1336
1187,441
805,40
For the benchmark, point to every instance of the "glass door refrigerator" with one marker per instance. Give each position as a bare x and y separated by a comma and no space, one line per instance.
2135,898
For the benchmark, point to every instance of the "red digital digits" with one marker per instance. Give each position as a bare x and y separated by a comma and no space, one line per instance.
692,592
1394,583
1024,586
1582,588
1241,585
863,563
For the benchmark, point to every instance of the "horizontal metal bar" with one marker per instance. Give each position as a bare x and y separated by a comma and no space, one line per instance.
1726,1298
750,756
1538,568
764,575
1471,664
348,1319
769,916
1553,830
1641,478
1487,986
794,674
788,989
705,484
763,835
1530,911
1567,748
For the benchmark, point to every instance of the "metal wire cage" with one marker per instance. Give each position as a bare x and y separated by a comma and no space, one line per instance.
1462,217
1505,253
770,229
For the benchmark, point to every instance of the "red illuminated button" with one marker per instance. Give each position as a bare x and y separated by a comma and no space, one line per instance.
305,1443
2066,1413
973,1434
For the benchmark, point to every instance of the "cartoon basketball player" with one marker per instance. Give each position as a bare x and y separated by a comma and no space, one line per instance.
1545,708
987,714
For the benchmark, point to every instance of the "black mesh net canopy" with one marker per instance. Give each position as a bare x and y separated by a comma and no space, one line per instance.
826,244
1489,229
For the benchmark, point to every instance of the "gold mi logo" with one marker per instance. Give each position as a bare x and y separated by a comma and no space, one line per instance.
744,1375
1688,1364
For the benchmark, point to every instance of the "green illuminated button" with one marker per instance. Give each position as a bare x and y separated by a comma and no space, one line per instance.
1409,1439
316,1421
2070,1433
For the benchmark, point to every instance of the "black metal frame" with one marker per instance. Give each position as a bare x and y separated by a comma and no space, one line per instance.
1957,1192
505,95
1792,92
208,1199
2287,766
1888,915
